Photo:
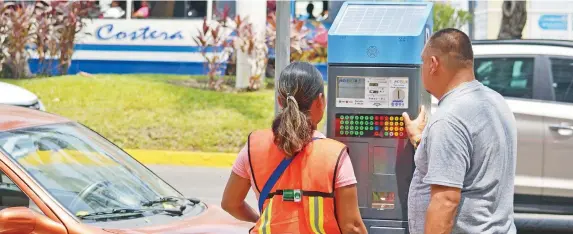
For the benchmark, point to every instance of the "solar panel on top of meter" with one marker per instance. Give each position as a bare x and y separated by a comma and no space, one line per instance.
382,20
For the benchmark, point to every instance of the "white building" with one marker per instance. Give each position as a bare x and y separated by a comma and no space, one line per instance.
546,19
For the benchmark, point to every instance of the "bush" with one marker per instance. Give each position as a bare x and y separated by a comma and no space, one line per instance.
49,31
214,38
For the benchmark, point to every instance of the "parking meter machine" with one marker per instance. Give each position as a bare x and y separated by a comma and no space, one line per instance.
374,61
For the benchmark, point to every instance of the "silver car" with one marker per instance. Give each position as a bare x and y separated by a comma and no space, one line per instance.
15,95
536,78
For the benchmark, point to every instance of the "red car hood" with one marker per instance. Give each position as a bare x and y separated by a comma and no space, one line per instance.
214,220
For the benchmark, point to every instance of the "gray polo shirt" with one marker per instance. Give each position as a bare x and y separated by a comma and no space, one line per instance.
470,143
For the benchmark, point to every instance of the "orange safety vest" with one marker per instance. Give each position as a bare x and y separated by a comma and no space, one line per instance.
312,171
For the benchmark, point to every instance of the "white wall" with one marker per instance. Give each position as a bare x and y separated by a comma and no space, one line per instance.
549,19
539,25
481,18
143,32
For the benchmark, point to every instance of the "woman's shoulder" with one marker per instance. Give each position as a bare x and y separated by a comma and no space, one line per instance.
268,132
262,130
330,141
319,135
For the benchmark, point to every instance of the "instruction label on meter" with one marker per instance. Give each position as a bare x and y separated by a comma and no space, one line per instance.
372,92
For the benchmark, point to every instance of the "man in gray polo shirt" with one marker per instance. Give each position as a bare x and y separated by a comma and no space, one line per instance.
466,152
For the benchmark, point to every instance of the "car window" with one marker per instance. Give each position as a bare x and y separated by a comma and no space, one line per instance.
562,70
12,196
511,77
82,171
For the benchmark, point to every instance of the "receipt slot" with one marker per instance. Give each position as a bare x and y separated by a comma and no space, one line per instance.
373,77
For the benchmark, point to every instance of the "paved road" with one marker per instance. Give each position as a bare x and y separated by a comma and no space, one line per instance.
208,184
205,183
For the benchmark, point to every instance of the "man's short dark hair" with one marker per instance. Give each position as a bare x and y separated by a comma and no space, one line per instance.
454,43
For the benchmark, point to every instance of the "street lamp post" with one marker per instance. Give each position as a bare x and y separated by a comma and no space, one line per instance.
282,44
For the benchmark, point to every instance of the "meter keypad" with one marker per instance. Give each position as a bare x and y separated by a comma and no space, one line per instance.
365,125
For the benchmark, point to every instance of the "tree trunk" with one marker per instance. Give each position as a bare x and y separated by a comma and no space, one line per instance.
16,69
514,16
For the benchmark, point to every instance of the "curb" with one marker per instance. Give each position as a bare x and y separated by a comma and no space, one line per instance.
184,158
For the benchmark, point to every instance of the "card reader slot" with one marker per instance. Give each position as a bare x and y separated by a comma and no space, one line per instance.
384,160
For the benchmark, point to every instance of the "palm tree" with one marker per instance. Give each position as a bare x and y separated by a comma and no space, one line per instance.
514,16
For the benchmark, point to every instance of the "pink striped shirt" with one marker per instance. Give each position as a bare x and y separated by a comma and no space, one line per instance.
345,174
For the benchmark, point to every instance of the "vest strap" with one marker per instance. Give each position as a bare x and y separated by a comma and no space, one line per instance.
304,193
277,173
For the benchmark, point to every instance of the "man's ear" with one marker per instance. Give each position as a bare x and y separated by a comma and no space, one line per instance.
434,64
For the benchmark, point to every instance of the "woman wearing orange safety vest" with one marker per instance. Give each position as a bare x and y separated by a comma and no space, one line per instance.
303,181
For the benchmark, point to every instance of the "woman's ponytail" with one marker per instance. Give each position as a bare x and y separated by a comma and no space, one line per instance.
299,85
292,128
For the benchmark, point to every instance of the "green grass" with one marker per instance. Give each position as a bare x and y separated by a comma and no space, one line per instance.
146,112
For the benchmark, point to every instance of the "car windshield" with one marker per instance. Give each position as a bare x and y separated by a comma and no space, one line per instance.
83,171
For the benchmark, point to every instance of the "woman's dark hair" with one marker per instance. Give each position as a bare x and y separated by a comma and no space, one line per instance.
299,85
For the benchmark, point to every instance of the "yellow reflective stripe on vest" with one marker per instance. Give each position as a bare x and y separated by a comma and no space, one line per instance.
316,206
266,218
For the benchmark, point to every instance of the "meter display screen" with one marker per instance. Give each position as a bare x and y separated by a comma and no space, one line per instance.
372,92
366,125
351,88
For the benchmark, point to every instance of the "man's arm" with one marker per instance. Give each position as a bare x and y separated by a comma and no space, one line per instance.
442,210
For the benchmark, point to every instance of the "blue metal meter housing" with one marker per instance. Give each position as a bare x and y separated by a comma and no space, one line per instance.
374,69
380,33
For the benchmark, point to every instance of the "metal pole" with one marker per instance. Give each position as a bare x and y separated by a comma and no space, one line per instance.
282,44
209,10
128,9
471,24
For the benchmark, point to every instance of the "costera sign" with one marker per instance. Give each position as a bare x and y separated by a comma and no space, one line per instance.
141,32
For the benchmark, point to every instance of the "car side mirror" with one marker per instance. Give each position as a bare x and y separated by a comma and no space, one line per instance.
23,220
